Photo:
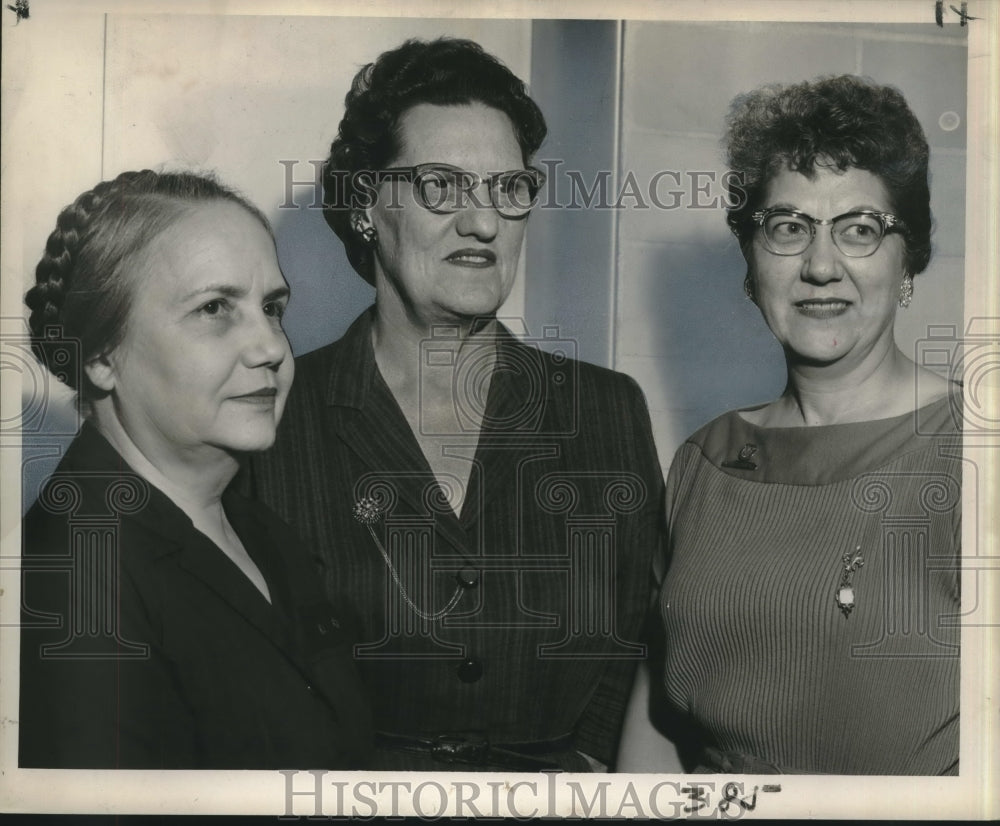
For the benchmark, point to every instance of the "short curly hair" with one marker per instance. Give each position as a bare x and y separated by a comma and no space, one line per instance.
841,121
443,72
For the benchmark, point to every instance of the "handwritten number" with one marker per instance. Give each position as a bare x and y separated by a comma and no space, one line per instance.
963,13
21,9
731,795
697,796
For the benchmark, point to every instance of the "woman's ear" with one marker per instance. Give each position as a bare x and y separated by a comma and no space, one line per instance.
101,372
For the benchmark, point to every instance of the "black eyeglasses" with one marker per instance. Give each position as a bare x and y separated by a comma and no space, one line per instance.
444,188
856,234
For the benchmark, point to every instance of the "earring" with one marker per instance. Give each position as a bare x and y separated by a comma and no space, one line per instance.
367,234
748,288
906,291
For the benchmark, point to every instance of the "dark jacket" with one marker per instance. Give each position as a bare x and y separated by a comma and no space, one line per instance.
144,646
559,525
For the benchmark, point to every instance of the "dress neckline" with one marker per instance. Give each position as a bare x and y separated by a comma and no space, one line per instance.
824,454
955,391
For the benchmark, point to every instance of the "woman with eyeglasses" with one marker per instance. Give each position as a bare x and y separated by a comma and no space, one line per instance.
167,621
489,511
811,602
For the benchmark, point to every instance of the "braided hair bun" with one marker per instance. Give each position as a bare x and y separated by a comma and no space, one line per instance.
85,280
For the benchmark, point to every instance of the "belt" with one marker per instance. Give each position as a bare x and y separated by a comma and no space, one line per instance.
475,748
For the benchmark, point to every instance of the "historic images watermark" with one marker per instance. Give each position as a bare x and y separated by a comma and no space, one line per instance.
586,557
90,566
586,512
323,795
584,562
972,358
666,189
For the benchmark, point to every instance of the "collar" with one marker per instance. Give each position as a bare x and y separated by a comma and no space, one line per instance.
356,375
350,384
101,486
107,484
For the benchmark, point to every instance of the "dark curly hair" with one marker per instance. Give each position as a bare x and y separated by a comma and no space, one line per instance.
843,121
443,72
85,282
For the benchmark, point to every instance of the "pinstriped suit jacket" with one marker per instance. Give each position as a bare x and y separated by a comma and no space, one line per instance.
561,520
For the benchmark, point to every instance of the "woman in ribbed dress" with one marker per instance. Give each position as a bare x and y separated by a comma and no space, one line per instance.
810,601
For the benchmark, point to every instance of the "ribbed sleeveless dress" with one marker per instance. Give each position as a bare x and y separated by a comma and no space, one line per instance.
759,654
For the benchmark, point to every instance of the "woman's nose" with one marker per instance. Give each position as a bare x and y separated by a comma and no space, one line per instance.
478,217
822,262
265,343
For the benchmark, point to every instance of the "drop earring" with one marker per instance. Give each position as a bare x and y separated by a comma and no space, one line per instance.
368,235
748,288
906,291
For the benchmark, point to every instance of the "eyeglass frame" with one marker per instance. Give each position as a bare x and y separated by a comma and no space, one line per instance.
888,222
413,173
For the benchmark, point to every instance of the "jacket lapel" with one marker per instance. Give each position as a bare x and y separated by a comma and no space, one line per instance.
167,532
518,425
368,420
167,536
207,563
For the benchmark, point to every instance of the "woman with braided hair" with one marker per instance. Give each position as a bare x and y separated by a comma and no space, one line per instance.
167,622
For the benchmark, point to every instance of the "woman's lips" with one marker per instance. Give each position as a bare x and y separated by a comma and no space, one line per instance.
265,395
822,307
472,258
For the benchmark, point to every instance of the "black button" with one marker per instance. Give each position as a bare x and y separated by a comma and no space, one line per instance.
468,577
470,670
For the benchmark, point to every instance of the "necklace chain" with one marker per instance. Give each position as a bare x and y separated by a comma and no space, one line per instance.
368,512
